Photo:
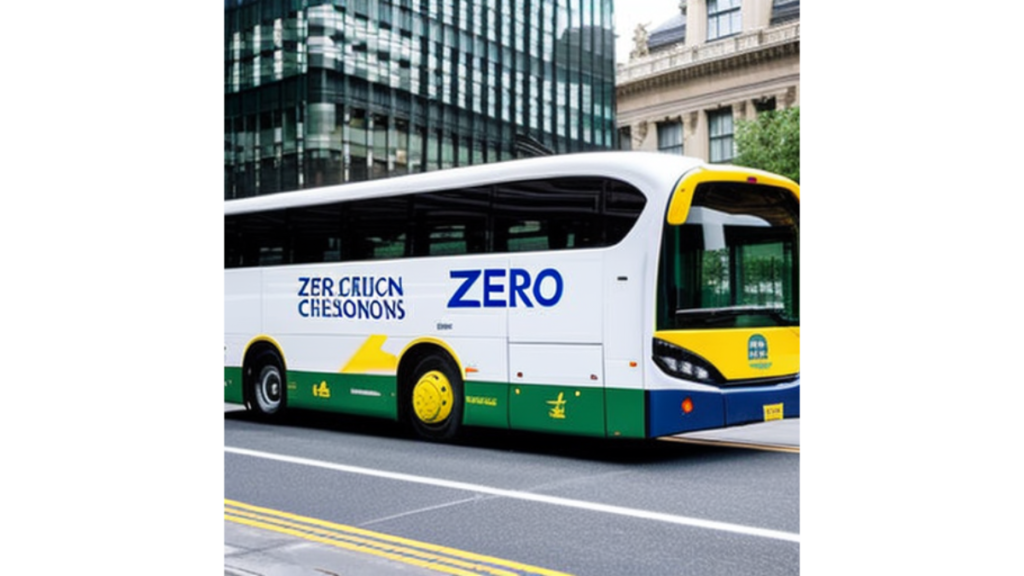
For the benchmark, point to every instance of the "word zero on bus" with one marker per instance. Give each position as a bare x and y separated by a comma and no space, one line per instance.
492,292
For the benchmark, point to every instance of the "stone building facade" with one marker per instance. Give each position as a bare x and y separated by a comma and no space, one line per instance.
705,68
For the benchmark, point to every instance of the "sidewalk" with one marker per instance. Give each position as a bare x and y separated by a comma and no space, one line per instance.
778,433
251,551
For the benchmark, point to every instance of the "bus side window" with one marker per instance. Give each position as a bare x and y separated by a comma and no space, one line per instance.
232,243
376,229
451,222
262,239
316,234
517,220
549,214
527,235
623,205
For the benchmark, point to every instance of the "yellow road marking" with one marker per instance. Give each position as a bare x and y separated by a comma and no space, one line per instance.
423,554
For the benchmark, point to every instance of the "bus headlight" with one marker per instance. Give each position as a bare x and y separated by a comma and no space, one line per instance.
681,363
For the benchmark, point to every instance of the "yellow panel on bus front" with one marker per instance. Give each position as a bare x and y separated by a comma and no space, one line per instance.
679,206
743,353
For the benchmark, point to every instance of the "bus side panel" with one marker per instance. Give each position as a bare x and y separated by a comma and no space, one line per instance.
242,323
345,327
556,361
486,404
625,413
561,298
362,394
624,283
557,388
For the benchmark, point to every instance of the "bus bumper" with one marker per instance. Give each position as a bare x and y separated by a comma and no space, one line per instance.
720,408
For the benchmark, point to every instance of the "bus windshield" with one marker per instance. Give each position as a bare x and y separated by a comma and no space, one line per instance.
734,263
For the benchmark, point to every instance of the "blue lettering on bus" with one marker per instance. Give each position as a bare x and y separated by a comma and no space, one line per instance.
490,288
519,281
351,297
548,288
557,279
458,299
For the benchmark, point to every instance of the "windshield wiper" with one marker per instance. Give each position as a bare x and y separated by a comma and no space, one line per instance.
710,315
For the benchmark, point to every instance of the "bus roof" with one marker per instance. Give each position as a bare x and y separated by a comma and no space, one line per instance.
656,174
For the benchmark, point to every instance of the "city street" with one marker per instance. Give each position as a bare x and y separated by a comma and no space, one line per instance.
325,494
477,215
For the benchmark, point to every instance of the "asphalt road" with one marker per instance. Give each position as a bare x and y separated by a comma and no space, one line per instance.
320,494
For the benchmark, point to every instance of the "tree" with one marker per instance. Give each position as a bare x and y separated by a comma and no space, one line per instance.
771,142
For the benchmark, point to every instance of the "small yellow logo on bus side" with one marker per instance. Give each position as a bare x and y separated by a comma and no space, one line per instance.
322,391
482,400
558,407
772,412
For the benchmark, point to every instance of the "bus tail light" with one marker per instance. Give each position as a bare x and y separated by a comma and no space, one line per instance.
687,405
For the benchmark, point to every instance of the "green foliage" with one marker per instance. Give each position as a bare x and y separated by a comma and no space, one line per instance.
771,142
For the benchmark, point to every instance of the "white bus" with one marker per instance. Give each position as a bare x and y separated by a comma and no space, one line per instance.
611,294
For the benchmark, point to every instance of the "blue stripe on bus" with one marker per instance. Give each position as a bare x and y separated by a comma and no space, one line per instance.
728,407
746,405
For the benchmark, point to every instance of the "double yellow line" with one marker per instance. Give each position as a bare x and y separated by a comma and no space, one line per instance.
423,554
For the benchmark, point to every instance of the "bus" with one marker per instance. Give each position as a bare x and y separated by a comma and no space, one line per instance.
609,294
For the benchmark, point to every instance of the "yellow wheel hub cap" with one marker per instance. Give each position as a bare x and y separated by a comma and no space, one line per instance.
432,398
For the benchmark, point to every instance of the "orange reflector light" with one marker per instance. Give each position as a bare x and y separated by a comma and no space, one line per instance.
632,364
687,406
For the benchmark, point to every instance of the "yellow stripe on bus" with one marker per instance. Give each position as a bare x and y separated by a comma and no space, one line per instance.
371,358
679,205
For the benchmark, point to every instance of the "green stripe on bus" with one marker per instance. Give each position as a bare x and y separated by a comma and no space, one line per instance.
626,415
233,391
360,394
615,412
559,409
486,404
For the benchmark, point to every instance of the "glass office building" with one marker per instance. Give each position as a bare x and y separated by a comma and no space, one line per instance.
323,92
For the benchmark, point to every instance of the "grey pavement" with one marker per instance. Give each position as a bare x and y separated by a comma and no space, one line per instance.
254,552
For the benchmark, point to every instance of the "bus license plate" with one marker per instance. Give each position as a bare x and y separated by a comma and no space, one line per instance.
772,412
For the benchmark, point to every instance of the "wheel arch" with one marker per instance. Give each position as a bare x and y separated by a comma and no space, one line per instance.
256,348
417,349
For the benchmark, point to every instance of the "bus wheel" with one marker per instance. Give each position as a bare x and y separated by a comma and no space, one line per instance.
268,386
435,399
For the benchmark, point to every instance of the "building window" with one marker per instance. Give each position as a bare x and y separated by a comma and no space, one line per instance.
625,138
670,137
723,19
720,129
766,104
474,72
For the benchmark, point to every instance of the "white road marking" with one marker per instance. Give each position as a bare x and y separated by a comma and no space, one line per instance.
528,496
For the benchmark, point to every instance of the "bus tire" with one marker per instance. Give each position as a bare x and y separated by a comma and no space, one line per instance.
267,386
434,398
